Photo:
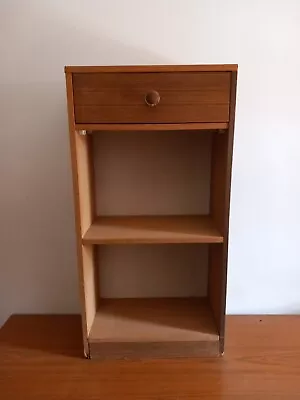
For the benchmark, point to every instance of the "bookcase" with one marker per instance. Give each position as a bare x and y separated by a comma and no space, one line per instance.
151,150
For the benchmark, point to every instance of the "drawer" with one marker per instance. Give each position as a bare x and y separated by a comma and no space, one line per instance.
158,97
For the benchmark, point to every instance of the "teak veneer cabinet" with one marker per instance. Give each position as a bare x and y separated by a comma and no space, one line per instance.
158,116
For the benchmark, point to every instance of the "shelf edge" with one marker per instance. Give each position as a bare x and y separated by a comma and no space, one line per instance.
153,127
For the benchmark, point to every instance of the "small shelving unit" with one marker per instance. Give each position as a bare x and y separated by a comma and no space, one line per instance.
151,150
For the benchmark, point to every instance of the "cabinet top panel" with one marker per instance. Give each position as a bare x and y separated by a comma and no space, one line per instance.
153,68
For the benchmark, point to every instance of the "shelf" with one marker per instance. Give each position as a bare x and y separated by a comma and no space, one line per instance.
141,328
194,126
152,229
150,68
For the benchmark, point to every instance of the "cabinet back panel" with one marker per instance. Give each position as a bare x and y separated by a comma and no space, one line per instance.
152,173
153,270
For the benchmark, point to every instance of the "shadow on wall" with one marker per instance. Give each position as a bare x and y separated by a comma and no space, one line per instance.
38,261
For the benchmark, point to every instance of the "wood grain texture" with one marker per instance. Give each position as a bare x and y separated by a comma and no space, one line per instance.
41,356
84,209
152,229
218,213
218,179
177,87
90,284
160,114
86,319
223,277
153,328
152,68
92,179
220,207
158,350
200,97
198,126
215,282
120,98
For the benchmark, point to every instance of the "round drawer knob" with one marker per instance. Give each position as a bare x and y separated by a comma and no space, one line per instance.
152,98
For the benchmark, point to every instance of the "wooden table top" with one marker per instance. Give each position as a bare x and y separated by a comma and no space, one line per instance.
41,358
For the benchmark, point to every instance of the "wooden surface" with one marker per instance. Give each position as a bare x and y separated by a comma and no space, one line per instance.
218,212
152,229
151,68
83,201
89,276
140,113
120,98
41,357
114,95
223,275
206,126
83,190
222,148
153,328
215,282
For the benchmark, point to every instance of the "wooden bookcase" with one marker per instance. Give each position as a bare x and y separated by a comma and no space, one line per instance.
151,150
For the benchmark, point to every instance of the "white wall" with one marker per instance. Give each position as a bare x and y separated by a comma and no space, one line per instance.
37,38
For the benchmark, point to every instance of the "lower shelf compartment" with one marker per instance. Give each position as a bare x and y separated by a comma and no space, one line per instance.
153,328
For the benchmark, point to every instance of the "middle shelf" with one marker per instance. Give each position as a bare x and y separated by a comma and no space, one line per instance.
153,229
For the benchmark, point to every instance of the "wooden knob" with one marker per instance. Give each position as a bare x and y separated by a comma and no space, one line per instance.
152,98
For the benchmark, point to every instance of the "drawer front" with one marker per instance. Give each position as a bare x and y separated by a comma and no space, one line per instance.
162,97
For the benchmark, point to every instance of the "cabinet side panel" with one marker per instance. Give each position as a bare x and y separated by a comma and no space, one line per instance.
89,284
215,282
218,180
82,187
219,208
84,180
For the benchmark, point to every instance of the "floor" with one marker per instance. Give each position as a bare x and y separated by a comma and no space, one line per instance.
41,358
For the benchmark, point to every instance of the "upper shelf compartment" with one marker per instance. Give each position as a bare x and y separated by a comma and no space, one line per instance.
151,97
